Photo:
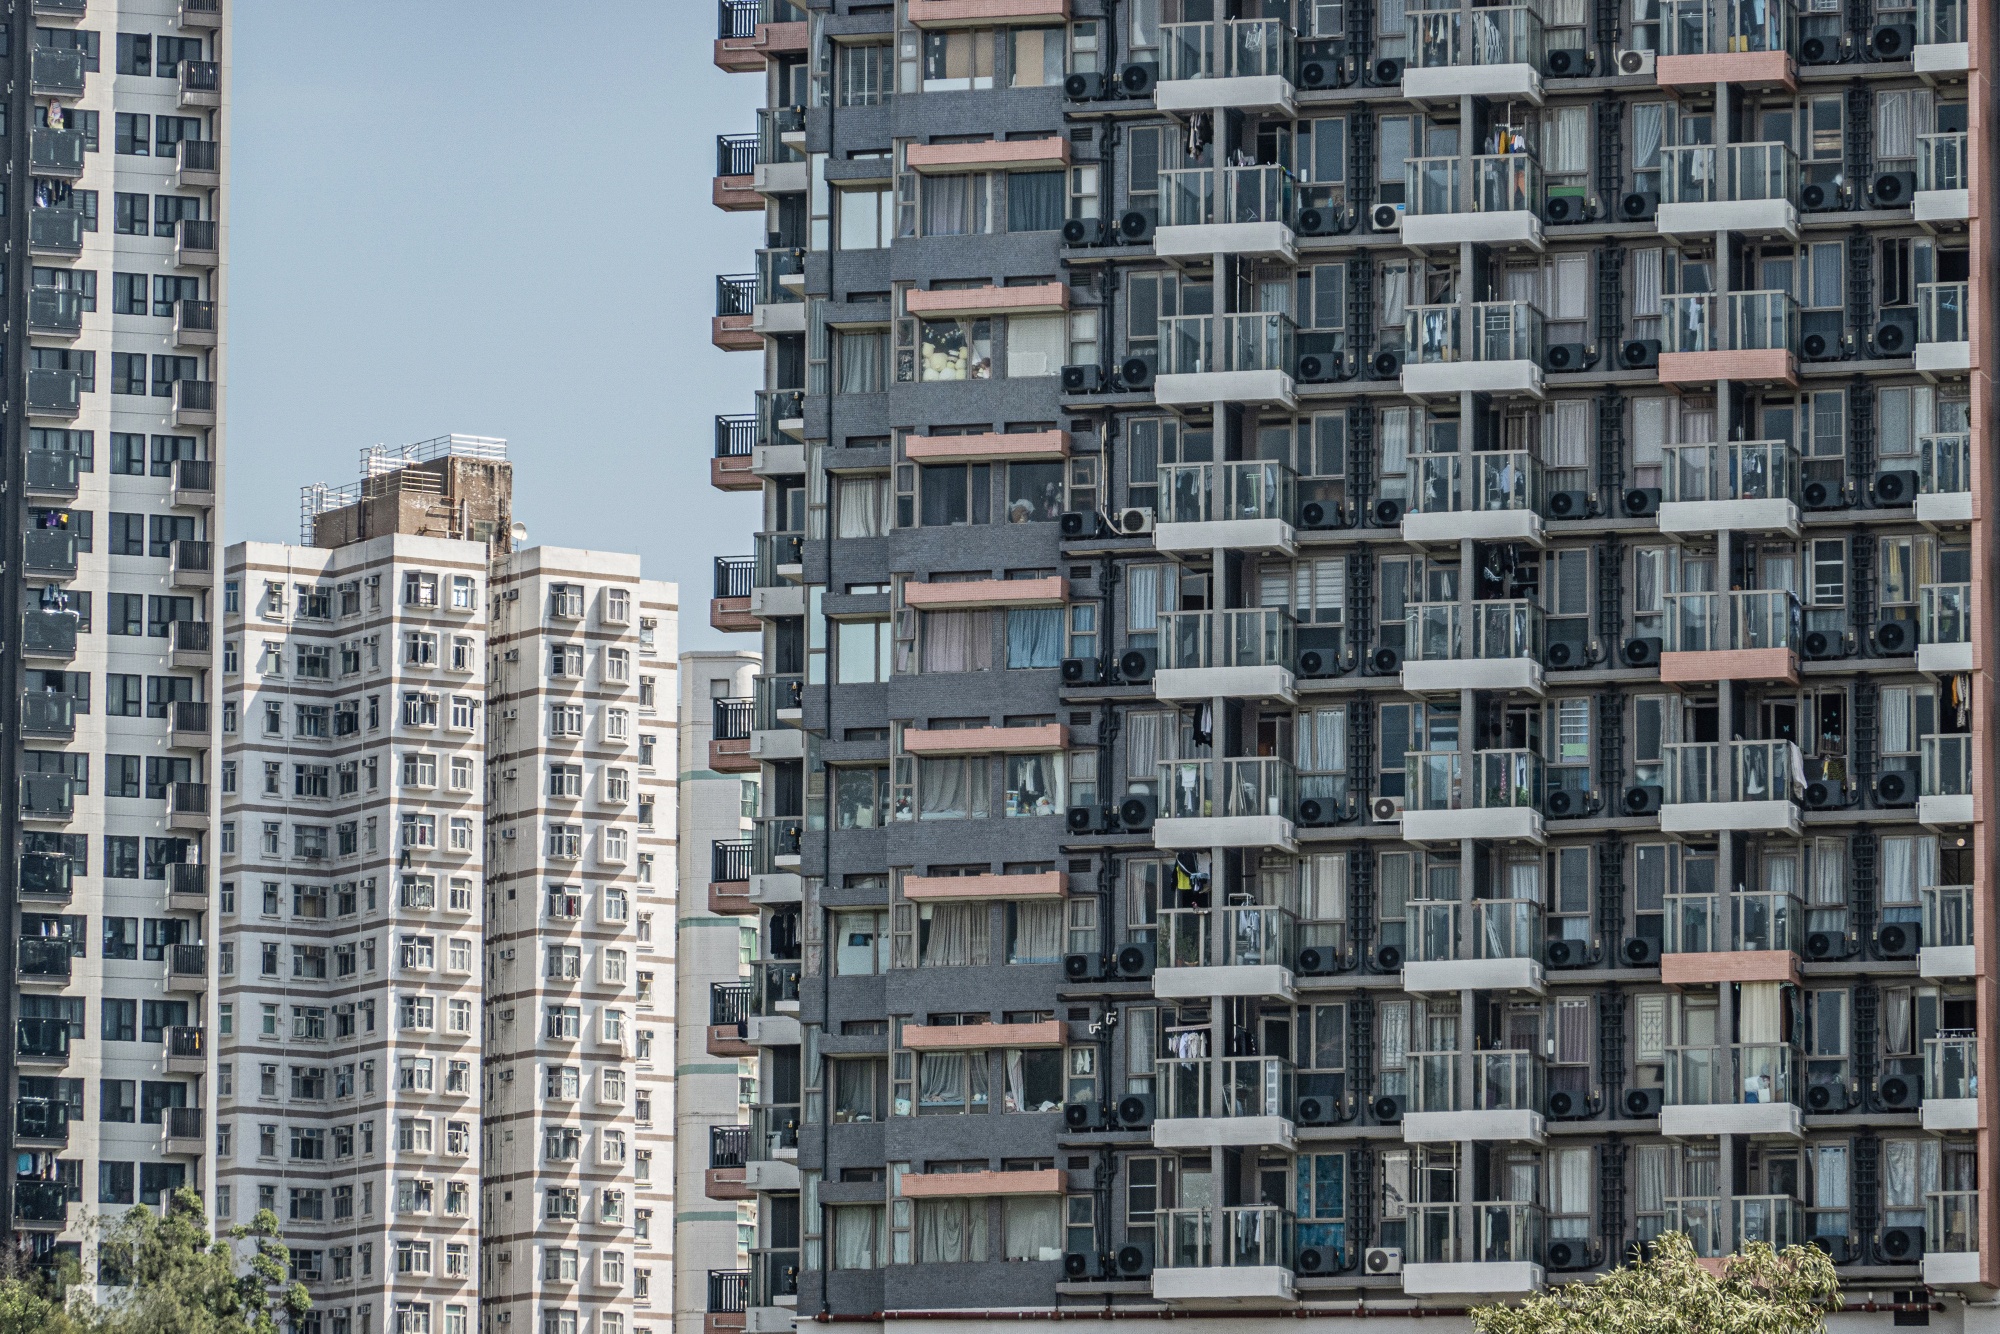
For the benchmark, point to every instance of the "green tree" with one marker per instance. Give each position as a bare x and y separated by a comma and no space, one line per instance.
33,1298
177,1278
1759,1291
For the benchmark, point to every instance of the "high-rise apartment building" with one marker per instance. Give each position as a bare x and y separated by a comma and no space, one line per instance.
1372,680
715,1074
114,283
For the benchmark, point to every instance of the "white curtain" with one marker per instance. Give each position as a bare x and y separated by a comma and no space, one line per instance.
1033,1228
854,1229
941,1078
958,641
1395,1034
1324,888
1566,145
863,359
1142,598
951,1231
1322,741
954,935
1034,345
1570,298
1569,1182
1037,932
1829,887
861,506
1648,131
1646,285
1759,1011
1142,747
1572,442
1830,1176
1573,1032
1649,1194
1034,637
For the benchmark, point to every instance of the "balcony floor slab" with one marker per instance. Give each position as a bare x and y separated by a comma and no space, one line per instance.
1947,961
1272,240
1451,675
1267,682
1944,358
1438,378
1953,507
1944,811
1934,206
1187,390
1500,227
1942,57
1766,217
1951,1113
1951,1268
1263,92
781,743
771,1174
1230,534
774,1030
1479,525
779,178
1731,1118
1496,1278
1225,831
1731,664
1736,516
1230,980
1503,824
1451,975
1703,817
1223,1132
1450,82
1223,1283
778,317
1521,1127
1944,659
784,602
781,887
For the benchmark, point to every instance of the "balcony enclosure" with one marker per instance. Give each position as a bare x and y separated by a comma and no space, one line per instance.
1234,1086
1728,173
1485,480
1501,629
1479,1081
1252,489
1252,937
1234,49
1441,35
1752,322
1763,920
1947,916
1188,196
1501,331
1500,779
1777,1220
1191,789
1946,765
1711,771
1500,183
1736,470
1951,1066
1212,344
1941,22
1944,463
1760,618
1942,313
1450,930
1249,637
1941,161
1951,1222
1944,614
1762,1073
1717,27
1501,1232
774,1131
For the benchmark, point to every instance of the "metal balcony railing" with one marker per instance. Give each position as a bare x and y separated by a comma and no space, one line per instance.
774,552
1941,22
728,1003
732,719
1251,489
772,837
200,155
1689,173
1248,637
778,986
55,231
773,125
41,1038
1945,765
735,576
1251,786
774,696
185,1041
1251,937
1502,1231
43,958
1501,183
775,407
736,436
1761,920
1501,331
728,1146
735,154
1776,1220
1245,341
1755,618
55,152
1944,613
1947,915
1440,35
1501,779
54,310
735,294
773,1127
1764,1072
49,634
1735,470
1234,48
728,1289
1717,27
773,1274
773,267
1754,322
729,860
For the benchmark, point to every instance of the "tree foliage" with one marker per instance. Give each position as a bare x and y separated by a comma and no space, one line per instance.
1759,1291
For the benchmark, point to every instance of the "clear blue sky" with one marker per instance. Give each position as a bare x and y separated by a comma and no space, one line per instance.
490,217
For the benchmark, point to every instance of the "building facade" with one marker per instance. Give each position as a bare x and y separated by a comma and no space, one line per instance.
1372,659
115,292
580,845
714,1070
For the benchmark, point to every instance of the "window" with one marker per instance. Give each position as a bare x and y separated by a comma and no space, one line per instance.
864,219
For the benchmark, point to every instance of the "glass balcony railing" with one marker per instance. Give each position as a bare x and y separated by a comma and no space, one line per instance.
1941,313
1247,1236
1501,779
1251,937
1946,763
1250,637
1487,480
1264,785
773,268
1440,35
1746,1072
1498,929
1251,489
1689,173
1947,914
1944,613
1941,161
1951,1066
1233,49
1510,628
1945,463
1776,1220
1207,344
1755,771
1501,331
1480,1081
1717,27
1754,321
774,1130
1941,22
1763,920
1188,196
1736,470
1236,1086
774,125
1951,1222
1749,619
1501,1232
1700,1217
774,1275
1501,183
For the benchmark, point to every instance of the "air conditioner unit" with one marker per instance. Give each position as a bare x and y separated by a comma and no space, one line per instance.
1382,1260
513,595
507,835
512,655
1386,218
1386,810
509,714
1134,522
1638,62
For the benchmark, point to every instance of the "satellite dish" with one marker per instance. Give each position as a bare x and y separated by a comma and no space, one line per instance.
519,532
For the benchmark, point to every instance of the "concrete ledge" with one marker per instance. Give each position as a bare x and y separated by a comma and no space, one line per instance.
981,1037
1273,239
951,888
1451,675
1237,980
1953,1268
1952,507
1730,966
1944,810
1481,377
1522,1127
1479,525
1225,387
1505,227
1942,205
983,740
1271,92
1223,1283
778,887
1046,154
963,302
779,317
1731,1118
1504,822
1473,975
1225,831
987,448
783,743
1701,817
1450,81
942,1185
977,593
1763,216
1947,961
774,1030
1226,1132
1743,516
771,1174
977,13
778,178
1951,1113
1229,682
1233,534
1944,358
1944,659
778,460
1498,1278
787,600
1942,57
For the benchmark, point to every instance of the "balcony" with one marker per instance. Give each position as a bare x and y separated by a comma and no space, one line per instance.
1239,64
1748,486
735,580
1253,957
194,402
778,705
1944,192
1944,629
774,1278
1505,648
196,245
192,645
1247,357
1747,936
1494,52
1944,331
774,1139
188,725
196,14
1756,338
187,806
48,798
1947,949
775,844
1488,347
1240,654
750,31
983,13
54,393
56,72
736,440
186,1129
55,232
1248,805
41,1041
729,878
1483,945
194,323
735,188
1246,505
1710,188
1235,1254
1944,479
49,636
1738,786
1501,1254
1487,495
728,1296
42,1205
728,1150
1744,1089
42,962
1252,212
200,84
1494,204
735,304
46,716
1706,42
187,1049
56,153
187,965
55,312
1502,800
62,10
729,736
1944,780
729,1019
1751,635
198,164
1237,1102
1951,1236
1951,1082
47,875
41,1121
1478,1095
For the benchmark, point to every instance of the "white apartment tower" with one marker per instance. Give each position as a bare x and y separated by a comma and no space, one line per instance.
580,870
114,285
